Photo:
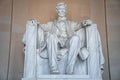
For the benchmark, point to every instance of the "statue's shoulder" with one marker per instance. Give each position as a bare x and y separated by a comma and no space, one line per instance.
70,21
47,24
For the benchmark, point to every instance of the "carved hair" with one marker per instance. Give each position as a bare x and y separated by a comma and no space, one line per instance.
61,4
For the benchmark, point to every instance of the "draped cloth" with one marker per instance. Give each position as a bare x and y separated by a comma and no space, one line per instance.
29,40
94,46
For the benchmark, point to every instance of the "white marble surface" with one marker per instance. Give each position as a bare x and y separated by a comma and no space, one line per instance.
62,49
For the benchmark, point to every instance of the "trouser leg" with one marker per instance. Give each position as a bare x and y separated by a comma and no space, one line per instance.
72,56
52,53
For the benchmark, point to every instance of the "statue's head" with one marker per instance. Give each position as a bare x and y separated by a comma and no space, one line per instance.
61,9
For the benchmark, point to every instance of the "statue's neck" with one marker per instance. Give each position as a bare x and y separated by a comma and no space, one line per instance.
62,18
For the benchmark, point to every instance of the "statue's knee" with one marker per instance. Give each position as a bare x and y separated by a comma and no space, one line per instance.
51,37
75,38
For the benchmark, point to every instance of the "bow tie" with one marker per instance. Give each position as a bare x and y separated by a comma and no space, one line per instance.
61,19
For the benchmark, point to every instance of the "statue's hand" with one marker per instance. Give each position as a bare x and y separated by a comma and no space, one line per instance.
59,57
33,21
87,23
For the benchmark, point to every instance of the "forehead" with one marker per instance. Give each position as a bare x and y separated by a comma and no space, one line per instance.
61,6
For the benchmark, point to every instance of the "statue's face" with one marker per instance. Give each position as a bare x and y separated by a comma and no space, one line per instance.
61,10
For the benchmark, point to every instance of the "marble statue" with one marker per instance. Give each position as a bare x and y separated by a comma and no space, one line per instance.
60,49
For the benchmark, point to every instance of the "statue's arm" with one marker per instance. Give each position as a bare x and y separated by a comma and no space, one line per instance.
40,38
46,27
75,26
43,32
